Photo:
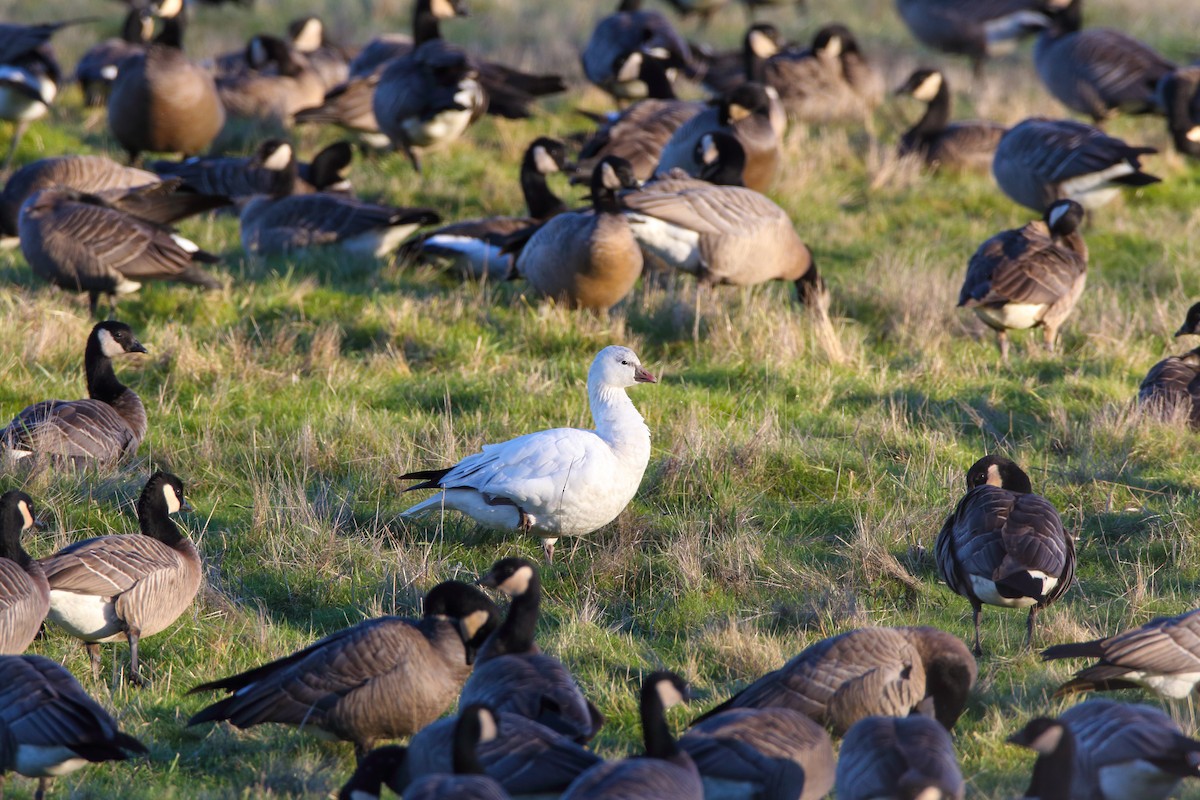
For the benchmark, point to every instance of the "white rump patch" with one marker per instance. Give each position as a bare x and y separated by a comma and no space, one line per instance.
674,244
45,761
1137,778
1014,316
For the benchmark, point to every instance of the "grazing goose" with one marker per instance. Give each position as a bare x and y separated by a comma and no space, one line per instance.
1029,276
51,726
1173,384
24,592
1042,160
161,101
107,245
279,225
278,82
1097,71
105,427
29,76
868,672
512,674
1179,97
90,174
665,772
885,758
476,725
778,753
632,30
131,586
559,482
1055,745
935,139
1163,655
100,65
1005,546
979,29
272,169
383,678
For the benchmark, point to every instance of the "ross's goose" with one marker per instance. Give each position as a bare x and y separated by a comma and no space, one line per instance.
560,482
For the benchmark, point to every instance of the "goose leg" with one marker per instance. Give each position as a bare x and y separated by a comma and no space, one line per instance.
132,633
976,608
1002,343
696,315
93,651
43,785
413,158
1029,627
548,549
18,132
1050,336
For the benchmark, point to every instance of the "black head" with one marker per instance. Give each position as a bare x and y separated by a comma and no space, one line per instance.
275,154
513,576
667,687
474,613
610,176
444,9
1192,323
112,338
924,84
546,155
306,33
163,492
378,767
834,41
16,512
1042,735
1064,217
721,158
998,471
746,100
763,40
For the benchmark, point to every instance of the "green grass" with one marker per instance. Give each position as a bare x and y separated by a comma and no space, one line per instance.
790,495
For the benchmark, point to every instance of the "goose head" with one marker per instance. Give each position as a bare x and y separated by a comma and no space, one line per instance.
546,156
513,576
834,41
749,99
722,159
307,33
112,338
1064,217
924,84
470,609
1192,323
998,471
610,176
763,40
383,765
16,512
618,367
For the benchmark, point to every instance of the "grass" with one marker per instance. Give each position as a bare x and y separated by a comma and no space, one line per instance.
790,495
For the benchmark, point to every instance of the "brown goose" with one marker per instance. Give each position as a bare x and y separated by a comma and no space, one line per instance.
272,169
127,587
1005,546
725,70
979,29
1029,276
24,592
512,674
830,82
885,758
1173,384
939,142
1179,97
476,725
278,225
89,174
394,675
105,427
100,65
51,726
307,35
279,82
349,105
631,29
868,672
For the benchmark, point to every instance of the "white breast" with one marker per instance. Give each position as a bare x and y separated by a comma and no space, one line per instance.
1014,316
675,245
986,591
84,616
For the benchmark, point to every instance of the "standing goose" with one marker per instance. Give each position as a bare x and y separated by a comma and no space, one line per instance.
127,587
105,427
89,174
979,29
51,726
1029,276
939,142
513,675
1173,384
1097,71
383,678
885,758
29,76
868,672
290,224
665,772
1005,546
1042,160
24,592
631,30
100,65
476,725
1179,97
559,482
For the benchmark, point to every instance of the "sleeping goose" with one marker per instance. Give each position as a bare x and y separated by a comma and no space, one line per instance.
105,427
100,65
290,224
129,586
88,174
1042,160
631,29
868,672
1173,384
1179,97
29,76
1005,546
559,482
51,726
936,140
476,725
272,169
978,29
1029,276
383,678
886,758
24,592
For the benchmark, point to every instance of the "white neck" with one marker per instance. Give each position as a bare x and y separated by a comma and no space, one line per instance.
617,420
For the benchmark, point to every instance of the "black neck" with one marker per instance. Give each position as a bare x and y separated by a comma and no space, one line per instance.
936,117
10,542
654,75
172,32
464,758
102,382
1052,772
948,683
515,634
754,64
655,733
542,202
604,200
154,520
132,31
1070,19
426,26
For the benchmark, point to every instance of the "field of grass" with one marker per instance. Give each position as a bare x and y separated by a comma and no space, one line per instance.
794,491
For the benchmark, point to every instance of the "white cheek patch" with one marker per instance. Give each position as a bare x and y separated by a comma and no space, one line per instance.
929,88
1056,213
442,9
993,476
608,177
280,158
761,45
545,164
473,622
488,729
170,8
108,345
26,514
708,150
1194,134
631,69
668,694
517,584
1048,740
310,36
833,48
172,498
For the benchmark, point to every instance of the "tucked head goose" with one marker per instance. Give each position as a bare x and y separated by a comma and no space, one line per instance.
90,174
979,29
1005,546
1172,383
1029,276
666,772
29,76
631,30
100,65
868,672
1097,71
393,675
127,587
885,758
24,592
560,482
1055,745
476,725
513,675
105,427
940,142
1042,160
777,752
161,101
51,726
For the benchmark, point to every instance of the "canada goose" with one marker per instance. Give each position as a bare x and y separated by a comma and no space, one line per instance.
276,225
1029,276
349,105
129,586
1171,384
632,30
725,70
1097,71
24,592
272,169
1042,160
91,174
278,83
473,246
476,725
51,726
1179,97
29,76
939,142
868,672
665,772
89,243
161,101
979,29
885,758
560,482
393,675
512,675
307,36
100,65
744,113
1055,745
778,753
1005,546
105,427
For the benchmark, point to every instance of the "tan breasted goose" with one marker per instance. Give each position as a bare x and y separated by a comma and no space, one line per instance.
24,592
1173,384
890,758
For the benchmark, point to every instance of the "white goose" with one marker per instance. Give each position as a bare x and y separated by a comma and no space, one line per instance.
560,482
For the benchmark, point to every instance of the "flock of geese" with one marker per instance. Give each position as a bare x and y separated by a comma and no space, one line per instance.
674,185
